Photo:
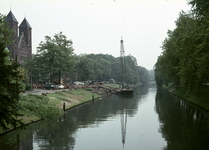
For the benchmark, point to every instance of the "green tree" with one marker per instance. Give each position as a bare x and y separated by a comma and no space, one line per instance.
151,74
200,7
167,66
194,56
131,69
185,58
143,75
9,85
83,67
116,69
54,57
101,67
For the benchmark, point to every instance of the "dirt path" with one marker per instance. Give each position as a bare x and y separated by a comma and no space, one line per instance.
40,91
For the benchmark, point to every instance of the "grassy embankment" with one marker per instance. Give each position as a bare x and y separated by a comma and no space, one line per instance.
118,85
201,101
37,107
72,98
111,85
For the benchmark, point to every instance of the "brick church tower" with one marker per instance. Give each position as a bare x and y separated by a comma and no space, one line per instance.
22,42
25,29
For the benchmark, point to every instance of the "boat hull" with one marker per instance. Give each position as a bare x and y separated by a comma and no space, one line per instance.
125,91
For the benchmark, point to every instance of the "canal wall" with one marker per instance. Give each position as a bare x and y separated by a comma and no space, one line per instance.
201,101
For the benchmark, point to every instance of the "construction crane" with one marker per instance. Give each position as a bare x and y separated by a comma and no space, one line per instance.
126,90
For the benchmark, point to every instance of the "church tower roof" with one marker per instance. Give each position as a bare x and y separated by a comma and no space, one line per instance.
11,17
25,24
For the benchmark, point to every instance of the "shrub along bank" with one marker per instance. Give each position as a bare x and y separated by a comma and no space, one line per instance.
200,101
36,107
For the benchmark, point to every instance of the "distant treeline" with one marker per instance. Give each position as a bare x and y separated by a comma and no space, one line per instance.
102,67
185,57
55,58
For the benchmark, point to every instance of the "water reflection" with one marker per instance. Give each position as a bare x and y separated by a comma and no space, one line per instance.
183,125
17,140
123,115
61,133
147,120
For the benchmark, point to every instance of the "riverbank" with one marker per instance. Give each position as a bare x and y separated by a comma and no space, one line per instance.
201,101
70,98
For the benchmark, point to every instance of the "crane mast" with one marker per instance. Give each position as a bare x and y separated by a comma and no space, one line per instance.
123,64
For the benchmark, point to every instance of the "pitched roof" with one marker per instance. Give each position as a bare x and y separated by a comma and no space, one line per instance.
11,17
25,24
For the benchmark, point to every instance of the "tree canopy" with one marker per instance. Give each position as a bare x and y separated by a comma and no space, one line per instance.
103,67
55,56
185,58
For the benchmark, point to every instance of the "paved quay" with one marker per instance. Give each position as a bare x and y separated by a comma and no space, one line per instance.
40,91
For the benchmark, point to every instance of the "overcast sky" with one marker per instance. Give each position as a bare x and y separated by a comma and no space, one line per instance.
96,26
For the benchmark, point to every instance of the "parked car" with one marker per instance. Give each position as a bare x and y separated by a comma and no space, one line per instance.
66,86
55,86
48,86
78,83
34,86
60,86
40,85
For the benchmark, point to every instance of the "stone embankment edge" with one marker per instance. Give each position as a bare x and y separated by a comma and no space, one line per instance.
192,103
26,124
87,101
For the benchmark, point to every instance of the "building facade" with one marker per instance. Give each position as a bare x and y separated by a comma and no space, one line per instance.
22,40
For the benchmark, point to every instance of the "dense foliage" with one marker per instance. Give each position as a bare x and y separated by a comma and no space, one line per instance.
103,67
55,59
9,83
185,58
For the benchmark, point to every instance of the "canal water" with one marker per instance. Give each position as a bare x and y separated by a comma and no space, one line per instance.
149,120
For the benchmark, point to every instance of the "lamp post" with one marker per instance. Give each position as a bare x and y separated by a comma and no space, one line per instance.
31,77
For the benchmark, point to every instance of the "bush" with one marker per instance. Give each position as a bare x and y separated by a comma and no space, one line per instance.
39,106
22,87
27,87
